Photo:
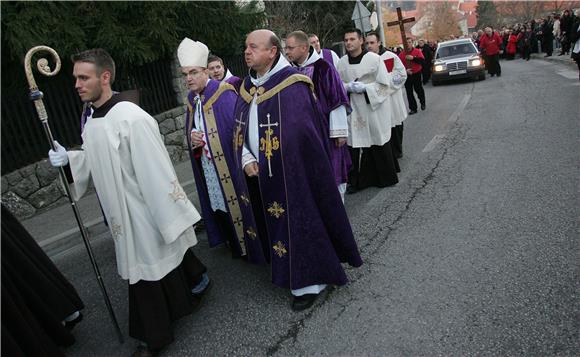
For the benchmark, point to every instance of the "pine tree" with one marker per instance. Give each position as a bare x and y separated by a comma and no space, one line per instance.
486,14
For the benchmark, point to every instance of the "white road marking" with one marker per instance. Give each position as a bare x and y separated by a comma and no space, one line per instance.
568,74
431,144
460,108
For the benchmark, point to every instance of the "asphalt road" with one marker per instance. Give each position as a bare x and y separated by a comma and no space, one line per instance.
474,252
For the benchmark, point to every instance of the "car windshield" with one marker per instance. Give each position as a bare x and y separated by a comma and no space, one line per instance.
456,50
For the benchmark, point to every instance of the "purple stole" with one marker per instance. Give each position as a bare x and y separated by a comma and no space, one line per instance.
218,100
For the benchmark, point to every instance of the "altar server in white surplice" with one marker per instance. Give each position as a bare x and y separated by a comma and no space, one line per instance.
398,73
149,215
369,85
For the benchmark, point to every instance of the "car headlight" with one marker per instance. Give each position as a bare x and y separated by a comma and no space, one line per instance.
475,62
440,67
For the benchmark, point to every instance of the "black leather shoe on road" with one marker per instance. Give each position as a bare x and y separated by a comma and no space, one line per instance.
204,291
303,302
422,106
412,112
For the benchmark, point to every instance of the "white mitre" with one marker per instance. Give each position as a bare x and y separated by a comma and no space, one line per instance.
192,53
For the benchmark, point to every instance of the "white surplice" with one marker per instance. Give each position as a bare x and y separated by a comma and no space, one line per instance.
398,76
369,123
149,215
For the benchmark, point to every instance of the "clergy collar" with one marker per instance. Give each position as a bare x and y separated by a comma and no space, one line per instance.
357,59
312,57
228,75
127,96
280,63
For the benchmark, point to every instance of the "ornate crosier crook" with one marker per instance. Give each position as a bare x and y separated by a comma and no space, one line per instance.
36,96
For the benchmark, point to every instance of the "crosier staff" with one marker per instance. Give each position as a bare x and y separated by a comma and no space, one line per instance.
36,97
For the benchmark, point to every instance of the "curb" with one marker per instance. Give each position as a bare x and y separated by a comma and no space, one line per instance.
564,60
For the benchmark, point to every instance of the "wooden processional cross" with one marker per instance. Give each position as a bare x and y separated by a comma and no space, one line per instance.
401,23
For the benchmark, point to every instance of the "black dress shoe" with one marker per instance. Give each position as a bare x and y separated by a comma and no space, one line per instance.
303,302
411,112
204,291
72,323
422,106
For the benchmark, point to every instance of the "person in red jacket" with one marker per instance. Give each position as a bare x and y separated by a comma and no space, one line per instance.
511,47
490,44
414,61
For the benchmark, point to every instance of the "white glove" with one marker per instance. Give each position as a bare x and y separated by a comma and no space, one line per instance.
349,88
358,87
59,157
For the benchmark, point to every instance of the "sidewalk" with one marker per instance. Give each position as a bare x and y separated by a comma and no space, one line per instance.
56,230
565,59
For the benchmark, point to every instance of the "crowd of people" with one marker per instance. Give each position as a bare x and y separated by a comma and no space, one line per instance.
542,35
272,154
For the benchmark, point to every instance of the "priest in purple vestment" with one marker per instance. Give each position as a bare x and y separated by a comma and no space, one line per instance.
280,143
209,131
331,98
326,54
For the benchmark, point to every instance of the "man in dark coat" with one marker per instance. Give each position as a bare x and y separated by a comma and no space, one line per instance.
428,54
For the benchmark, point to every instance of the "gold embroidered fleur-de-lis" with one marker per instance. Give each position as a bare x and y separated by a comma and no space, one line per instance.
276,209
245,199
251,233
177,193
280,249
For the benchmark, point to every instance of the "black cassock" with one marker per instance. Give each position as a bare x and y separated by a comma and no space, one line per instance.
36,297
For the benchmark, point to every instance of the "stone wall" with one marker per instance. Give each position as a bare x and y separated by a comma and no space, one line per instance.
36,187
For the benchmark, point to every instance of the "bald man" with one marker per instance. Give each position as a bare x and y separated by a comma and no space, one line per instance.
282,147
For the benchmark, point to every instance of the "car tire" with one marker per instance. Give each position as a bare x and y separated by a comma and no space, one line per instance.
481,77
434,83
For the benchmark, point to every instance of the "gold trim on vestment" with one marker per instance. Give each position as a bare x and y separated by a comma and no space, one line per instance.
224,172
222,88
272,92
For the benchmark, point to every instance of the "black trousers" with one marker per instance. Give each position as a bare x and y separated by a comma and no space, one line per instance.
155,305
525,52
426,73
224,223
493,66
566,45
414,83
548,46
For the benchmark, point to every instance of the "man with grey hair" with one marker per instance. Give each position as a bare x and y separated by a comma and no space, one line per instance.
282,146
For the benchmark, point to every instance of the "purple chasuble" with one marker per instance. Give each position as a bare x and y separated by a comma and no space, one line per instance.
218,102
327,56
330,94
308,228
235,81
